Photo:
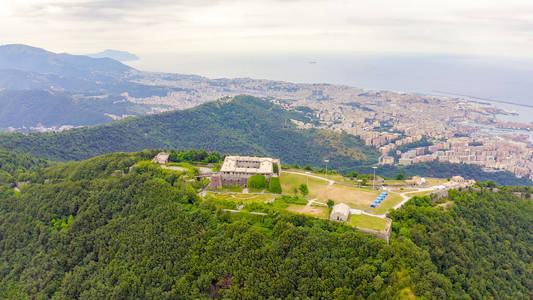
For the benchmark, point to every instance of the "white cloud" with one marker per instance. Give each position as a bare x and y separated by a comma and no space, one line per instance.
479,27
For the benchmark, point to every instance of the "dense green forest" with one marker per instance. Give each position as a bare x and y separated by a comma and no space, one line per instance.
31,108
245,125
483,244
16,168
114,227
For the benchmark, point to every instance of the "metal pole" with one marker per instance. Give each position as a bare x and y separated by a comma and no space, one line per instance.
327,183
374,179
326,161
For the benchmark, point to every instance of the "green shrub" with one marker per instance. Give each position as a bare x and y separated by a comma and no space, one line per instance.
293,200
275,168
303,189
274,186
257,181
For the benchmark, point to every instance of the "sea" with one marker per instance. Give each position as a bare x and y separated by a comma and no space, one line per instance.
492,79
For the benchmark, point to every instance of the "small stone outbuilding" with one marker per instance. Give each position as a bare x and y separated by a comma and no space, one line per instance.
340,212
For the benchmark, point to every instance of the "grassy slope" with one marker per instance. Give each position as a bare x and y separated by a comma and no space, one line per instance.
369,222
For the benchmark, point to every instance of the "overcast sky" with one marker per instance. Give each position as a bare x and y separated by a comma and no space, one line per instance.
472,27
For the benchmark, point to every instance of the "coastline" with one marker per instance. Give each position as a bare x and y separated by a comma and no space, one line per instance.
484,99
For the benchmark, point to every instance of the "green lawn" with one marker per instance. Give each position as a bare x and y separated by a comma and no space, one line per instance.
395,182
369,222
419,194
244,198
391,200
235,188
355,197
335,177
321,212
254,190
290,183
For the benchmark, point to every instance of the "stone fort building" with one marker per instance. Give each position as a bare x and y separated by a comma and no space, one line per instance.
237,169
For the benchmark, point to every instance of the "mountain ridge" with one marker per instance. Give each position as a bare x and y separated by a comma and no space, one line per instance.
43,61
244,125
115,54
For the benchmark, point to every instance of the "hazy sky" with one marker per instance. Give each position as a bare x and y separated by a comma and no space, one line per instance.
474,27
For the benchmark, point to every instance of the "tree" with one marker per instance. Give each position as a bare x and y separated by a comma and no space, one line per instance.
274,185
275,168
352,174
400,176
257,181
308,168
491,184
330,203
303,189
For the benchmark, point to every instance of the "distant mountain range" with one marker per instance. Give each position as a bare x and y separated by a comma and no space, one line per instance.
115,54
55,89
37,60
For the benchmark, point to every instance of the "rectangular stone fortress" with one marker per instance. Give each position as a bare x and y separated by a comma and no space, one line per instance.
237,169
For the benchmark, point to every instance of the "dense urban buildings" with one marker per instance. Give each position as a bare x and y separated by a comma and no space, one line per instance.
406,128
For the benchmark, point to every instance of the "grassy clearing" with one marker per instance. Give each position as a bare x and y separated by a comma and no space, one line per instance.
290,183
354,197
359,198
419,194
244,198
369,222
389,202
403,190
335,177
435,181
254,190
395,182
315,211
235,189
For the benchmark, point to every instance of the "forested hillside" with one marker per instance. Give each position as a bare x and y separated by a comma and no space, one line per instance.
33,108
245,125
15,168
483,244
99,229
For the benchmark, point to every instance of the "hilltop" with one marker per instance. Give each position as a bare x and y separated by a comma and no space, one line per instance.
120,226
